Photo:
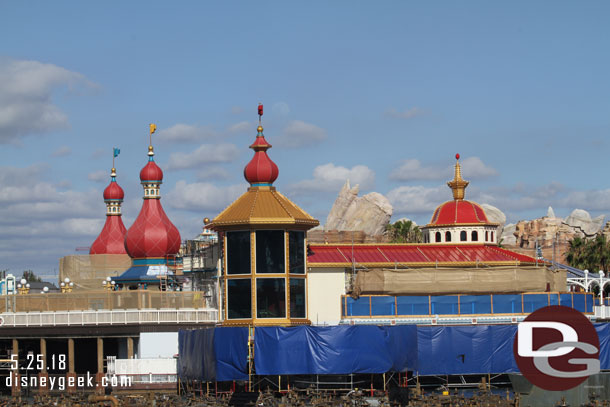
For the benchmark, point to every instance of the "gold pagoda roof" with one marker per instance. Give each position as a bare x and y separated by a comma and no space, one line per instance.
260,206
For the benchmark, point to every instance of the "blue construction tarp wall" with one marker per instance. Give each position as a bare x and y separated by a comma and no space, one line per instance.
221,353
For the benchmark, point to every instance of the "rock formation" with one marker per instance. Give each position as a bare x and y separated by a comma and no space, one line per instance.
507,237
495,215
580,218
369,213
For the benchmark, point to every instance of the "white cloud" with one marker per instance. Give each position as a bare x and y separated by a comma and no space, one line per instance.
417,199
213,173
62,151
242,127
330,178
280,108
300,134
204,155
405,114
186,133
413,170
98,176
203,196
26,89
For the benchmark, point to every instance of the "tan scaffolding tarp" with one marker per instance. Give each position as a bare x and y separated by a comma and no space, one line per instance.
432,281
87,271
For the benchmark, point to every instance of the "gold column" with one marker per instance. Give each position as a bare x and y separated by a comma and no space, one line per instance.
71,375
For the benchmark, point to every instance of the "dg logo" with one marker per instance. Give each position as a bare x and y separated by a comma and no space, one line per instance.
556,348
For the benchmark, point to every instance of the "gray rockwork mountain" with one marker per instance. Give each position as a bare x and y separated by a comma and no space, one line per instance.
581,219
369,213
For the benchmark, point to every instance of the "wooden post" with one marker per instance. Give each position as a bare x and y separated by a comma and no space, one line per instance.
43,375
15,385
129,347
100,366
71,375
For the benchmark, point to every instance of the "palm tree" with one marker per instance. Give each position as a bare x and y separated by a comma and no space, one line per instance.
591,254
404,231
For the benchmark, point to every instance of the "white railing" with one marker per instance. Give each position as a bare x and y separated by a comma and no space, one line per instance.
108,317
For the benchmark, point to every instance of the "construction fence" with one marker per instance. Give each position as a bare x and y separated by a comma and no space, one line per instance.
104,300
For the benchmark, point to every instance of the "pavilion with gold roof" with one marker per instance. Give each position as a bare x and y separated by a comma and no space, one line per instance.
265,262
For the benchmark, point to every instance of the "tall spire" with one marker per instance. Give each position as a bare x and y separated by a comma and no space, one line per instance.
260,171
458,184
111,238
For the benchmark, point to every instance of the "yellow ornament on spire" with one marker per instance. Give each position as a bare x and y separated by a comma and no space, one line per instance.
153,128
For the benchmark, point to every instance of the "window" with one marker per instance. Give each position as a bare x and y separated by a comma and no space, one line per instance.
474,236
447,236
270,251
463,236
492,236
270,298
297,298
296,244
486,236
438,237
239,298
238,252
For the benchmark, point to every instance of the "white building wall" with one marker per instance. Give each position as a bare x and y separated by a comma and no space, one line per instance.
326,286
158,344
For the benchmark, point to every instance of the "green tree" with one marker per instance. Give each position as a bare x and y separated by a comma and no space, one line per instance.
592,255
31,277
404,231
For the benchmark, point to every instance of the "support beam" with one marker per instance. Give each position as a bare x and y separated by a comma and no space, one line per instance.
71,375
15,385
129,347
100,355
43,375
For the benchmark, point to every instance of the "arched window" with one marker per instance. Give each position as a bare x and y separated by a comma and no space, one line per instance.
492,236
463,236
438,237
474,236
447,236
486,236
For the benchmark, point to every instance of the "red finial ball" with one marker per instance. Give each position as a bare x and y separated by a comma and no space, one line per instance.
457,156
260,109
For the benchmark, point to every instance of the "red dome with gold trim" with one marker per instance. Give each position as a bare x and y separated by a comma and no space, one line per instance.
151,172
152,234
114,191
459,211
261,170
111,239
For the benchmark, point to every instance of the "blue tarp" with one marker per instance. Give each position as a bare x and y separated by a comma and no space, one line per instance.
221,353
446,350
335,350
210,354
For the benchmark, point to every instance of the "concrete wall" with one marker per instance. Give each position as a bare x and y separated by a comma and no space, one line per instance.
326,285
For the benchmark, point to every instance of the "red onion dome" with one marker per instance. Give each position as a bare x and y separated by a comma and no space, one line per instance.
151,172
113,192
152,234
261,170
111,239
458,212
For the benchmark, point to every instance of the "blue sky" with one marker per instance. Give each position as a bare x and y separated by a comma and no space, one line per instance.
382,93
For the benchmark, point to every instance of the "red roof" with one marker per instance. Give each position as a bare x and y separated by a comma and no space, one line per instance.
152,234
112,237
151,172
417,254
458,212
114,191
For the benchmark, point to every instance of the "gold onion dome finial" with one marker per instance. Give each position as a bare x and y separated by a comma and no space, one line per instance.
458,184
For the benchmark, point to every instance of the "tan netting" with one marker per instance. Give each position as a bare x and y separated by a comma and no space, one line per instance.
437,281
88,271
104,300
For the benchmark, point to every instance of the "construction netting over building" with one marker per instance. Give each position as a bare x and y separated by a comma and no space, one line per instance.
88,271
